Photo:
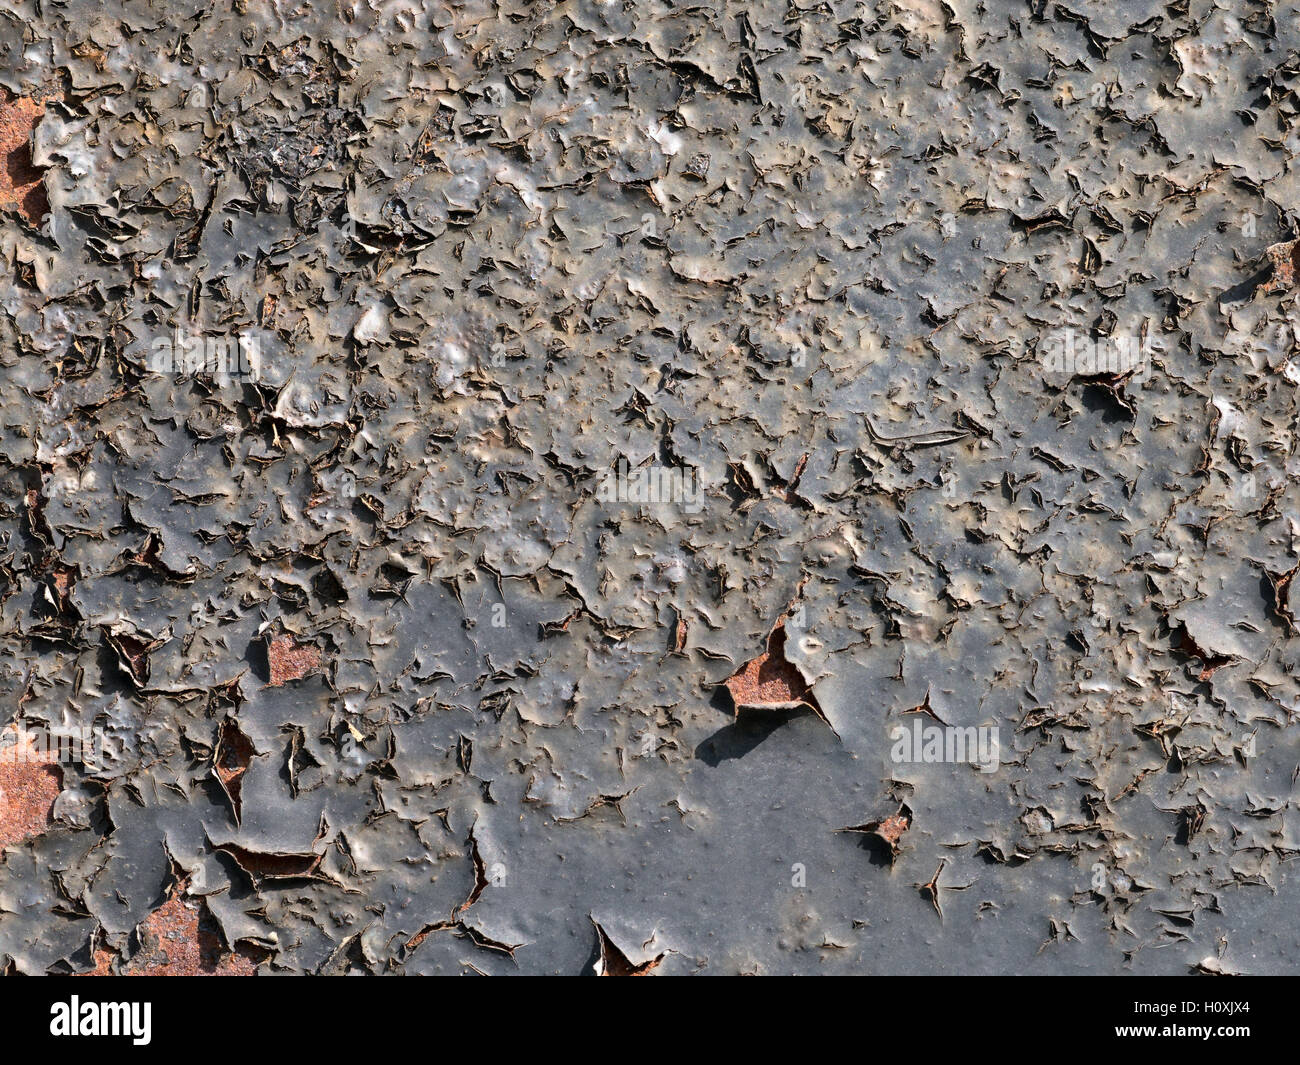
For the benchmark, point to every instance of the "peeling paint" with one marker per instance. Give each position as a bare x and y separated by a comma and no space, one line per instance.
494,478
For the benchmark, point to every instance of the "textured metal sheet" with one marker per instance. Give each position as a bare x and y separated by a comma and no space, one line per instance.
534,487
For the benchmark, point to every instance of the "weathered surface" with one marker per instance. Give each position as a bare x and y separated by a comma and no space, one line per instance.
178,939
21,184
415,414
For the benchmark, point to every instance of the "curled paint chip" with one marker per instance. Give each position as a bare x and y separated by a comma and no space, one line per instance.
614,962
888,830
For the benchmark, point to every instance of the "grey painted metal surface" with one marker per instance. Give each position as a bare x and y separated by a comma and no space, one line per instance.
414,414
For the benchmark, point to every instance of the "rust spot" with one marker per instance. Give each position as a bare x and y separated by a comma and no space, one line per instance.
290,660
27,794
427,931
1285,259
891,829
180,938
770,682
30,781
888,831
21,184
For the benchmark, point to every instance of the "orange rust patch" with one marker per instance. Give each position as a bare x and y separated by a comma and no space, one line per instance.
1284,258
180,939
30,781
291,660
21,186
889,830
770,682
27,794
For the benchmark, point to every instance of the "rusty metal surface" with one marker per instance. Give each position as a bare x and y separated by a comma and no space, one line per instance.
568,487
